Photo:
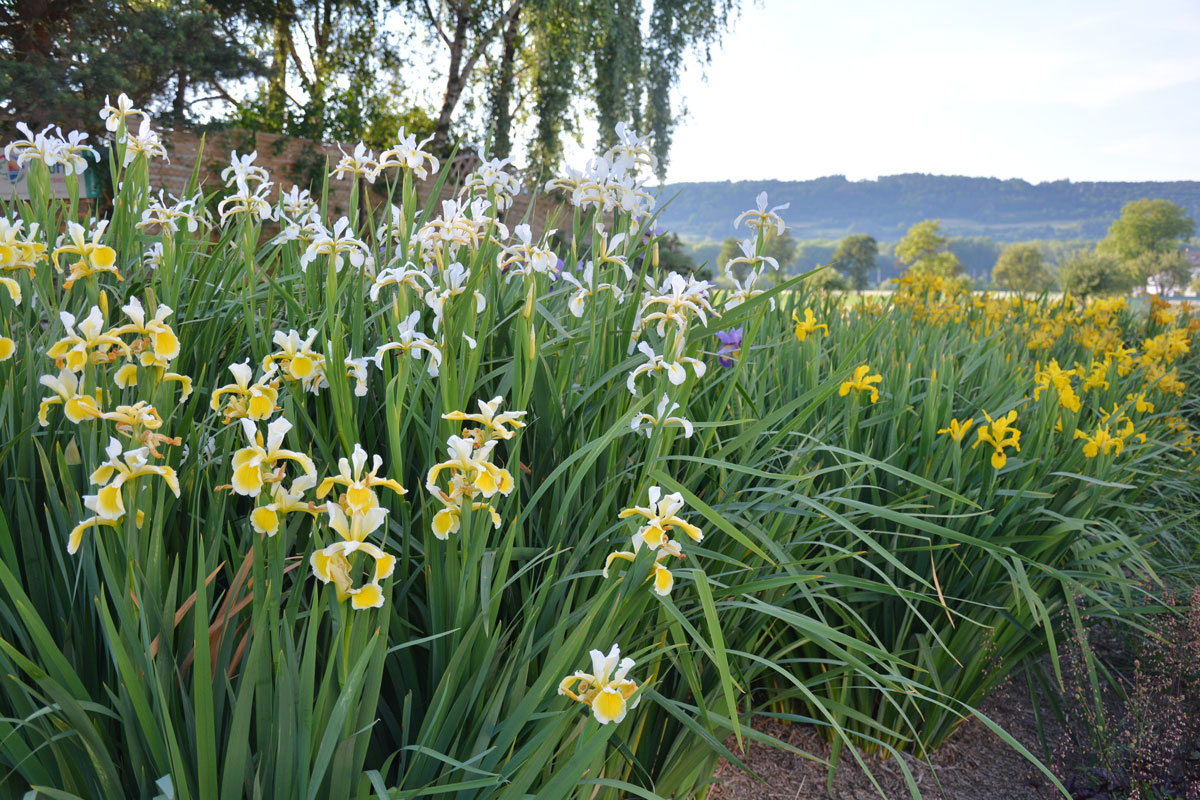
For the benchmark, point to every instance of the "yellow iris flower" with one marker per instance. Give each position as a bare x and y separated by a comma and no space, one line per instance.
1101,442
958,431
999,433
862,382
1060,379
808,325
1140,403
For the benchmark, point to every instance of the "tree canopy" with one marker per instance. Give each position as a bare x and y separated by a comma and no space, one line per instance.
1088,273
1148,226
60,58
1022,269
924,250
855,258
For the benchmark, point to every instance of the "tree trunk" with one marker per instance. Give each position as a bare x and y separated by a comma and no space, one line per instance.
454,80
502,114
179,105
277,77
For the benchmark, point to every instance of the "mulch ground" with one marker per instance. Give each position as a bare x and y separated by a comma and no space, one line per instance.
974,764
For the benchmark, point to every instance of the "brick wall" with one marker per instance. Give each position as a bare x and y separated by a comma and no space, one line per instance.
292,160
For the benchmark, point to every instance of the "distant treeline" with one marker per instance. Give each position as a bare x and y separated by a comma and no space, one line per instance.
1001,210
977,254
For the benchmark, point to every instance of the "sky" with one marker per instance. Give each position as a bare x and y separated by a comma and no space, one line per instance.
1044,90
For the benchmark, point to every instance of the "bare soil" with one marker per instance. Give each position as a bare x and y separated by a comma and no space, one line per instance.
974,764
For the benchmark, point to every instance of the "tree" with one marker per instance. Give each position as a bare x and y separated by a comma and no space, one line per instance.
615,55
1147,226
1164,273
924,250
335,70
826,280
1020,268
1088,273
59,58
855,258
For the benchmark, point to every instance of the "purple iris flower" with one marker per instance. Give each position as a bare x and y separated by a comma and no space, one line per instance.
731,345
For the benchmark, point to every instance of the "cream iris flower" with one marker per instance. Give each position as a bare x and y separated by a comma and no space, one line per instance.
646,423
114,115
93,257
655,363
661,517
65,386
526,258
472,465
408,275
247,200
246,400
454,279
267,518
751,259
413,342
409,154
332,564
491,420
761,217
606,690
85,342
472,475
145,142
359,164
254,465
677,299
360,496
663,580
120,468
296,359
339,247
586,288
163,344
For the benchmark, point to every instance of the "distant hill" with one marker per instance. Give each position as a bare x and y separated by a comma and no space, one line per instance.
1005,210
